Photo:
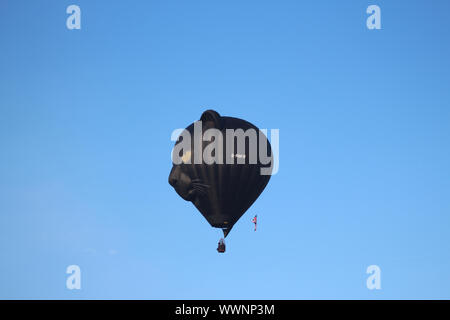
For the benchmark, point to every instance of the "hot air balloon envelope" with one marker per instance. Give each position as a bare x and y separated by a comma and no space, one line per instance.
221,164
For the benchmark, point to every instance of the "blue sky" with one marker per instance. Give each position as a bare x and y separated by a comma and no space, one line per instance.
85,123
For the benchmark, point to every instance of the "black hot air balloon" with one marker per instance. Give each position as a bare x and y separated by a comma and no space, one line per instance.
221,170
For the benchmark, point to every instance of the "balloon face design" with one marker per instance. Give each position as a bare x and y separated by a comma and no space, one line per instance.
221,165
181,181
187,185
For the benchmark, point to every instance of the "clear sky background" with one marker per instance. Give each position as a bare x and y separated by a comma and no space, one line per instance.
85,123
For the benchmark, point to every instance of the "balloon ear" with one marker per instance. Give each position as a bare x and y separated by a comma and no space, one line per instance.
212,119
